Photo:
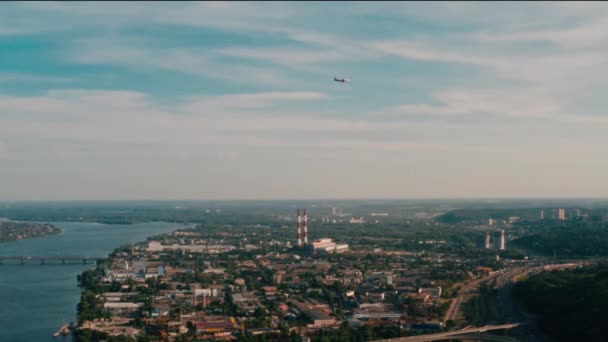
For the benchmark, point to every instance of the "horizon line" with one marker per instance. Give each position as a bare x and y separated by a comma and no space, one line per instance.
320,199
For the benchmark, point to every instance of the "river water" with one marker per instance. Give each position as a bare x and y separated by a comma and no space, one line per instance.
35,300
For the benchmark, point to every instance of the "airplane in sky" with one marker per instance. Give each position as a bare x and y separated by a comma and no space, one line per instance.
343,80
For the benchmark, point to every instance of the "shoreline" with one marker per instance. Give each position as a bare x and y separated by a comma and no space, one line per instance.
81,325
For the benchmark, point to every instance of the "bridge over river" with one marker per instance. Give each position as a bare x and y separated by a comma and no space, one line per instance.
43,260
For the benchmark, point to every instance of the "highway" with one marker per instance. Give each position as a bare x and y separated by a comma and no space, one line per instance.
468,332
486,337
455,306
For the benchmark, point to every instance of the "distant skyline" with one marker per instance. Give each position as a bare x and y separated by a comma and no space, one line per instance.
236,100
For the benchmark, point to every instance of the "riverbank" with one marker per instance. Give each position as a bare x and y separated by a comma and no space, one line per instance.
49,292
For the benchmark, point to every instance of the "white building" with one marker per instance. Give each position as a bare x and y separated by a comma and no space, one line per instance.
326,245
359,220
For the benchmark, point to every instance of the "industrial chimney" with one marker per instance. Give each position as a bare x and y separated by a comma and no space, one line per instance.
305,228
299,230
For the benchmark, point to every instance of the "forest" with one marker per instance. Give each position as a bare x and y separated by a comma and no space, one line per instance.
566,240
569,304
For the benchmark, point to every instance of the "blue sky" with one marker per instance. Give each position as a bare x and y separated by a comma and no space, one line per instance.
214,100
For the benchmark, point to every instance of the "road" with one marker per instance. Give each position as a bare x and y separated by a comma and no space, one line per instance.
467,288
474,331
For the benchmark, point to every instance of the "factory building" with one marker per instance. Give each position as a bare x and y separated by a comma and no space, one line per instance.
326,245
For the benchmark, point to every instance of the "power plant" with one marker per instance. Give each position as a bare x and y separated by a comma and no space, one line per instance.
323,245
502,240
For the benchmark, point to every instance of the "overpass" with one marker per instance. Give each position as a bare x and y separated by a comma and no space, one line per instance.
474,333
24,259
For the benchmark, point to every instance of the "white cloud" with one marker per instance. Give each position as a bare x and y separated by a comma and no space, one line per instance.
3,150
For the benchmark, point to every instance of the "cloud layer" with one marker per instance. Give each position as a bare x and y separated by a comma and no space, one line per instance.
236,100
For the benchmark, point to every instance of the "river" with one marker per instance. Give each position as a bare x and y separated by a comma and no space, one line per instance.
35,300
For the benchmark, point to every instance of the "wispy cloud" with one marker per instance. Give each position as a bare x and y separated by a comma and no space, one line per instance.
483,103
295,57
227,16
137,56
418,51
254,100
115,117
7,77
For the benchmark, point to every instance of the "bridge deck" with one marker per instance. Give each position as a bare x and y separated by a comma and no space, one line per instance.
49,258
23,259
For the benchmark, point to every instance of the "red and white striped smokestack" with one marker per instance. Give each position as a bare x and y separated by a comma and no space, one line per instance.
305,228
299,230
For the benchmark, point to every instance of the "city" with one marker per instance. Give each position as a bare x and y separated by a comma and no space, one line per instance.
304,276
